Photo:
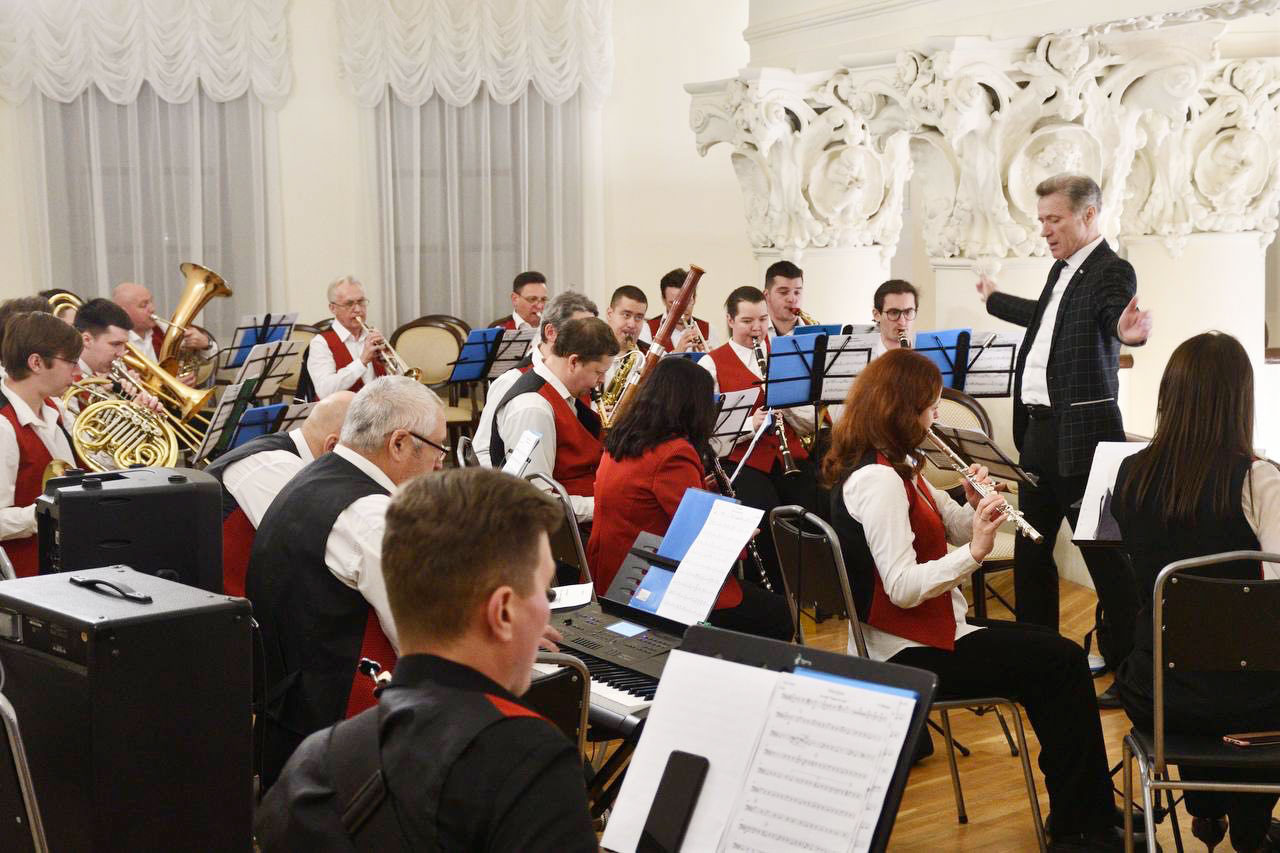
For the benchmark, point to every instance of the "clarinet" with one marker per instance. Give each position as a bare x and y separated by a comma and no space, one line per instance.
902,341
726,489
789,468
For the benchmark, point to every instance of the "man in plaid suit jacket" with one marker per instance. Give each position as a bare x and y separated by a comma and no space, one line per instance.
1064,398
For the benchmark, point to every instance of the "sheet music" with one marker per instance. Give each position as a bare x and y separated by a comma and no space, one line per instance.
697,581
1107,457
518,458
513,347
990,371
847,356
220,420
821,767
572,595
735,411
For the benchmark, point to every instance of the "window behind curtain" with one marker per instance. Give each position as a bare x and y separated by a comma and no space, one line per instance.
470,196
133,191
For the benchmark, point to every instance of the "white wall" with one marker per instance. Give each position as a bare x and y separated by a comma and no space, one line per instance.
664,206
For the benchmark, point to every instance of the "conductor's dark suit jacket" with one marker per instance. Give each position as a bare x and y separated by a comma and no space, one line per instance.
1083,358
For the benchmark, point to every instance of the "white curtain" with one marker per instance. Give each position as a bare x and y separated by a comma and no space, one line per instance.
484,141
470,196
127,193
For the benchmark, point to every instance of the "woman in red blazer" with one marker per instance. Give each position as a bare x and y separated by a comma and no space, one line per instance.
651,457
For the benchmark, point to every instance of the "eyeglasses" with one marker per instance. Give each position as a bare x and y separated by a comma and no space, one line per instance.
534,300
896,314
69,361
444,449
354,303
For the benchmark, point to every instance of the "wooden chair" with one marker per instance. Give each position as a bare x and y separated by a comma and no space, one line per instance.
431,344
293,385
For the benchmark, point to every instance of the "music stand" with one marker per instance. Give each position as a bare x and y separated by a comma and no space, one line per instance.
976,447
733,410
267,365
949,349
255,329
237,397
991,362
264,420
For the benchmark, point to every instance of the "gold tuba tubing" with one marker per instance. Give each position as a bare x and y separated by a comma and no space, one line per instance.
203,284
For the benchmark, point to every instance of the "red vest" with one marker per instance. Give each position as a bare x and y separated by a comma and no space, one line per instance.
655,323
374,645
157,338
508,323
577,450
733,375
932,622
33,456
342,357
237,545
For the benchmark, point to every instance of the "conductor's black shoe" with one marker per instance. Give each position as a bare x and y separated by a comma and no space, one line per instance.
1109,698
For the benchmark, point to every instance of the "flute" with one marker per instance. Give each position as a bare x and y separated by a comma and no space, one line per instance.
983,489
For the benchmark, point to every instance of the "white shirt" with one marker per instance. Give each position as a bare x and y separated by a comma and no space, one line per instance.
353,551
1035,383
325,376
533,411
484,430
678,335
17,522
799,418
875,498
256,480
144,343
521,323
1261,505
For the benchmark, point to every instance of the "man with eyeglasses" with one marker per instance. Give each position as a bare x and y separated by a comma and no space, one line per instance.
894,313
344,357
315,571
528,298
40,355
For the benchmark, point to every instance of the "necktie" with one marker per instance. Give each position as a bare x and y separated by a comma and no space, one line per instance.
1054,272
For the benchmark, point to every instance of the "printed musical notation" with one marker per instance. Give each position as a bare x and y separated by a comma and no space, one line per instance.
847,356
696,583
821,767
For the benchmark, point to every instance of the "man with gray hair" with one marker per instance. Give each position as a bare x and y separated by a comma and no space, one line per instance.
564,307
1064,398
315,572
344,357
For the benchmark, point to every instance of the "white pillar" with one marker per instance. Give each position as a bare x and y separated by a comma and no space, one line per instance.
1216,282
838,283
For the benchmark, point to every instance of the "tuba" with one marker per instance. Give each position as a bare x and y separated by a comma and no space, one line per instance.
62,303
182,403
203,284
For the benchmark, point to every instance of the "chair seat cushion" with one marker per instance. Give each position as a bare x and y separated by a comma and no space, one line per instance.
1209,751
456,414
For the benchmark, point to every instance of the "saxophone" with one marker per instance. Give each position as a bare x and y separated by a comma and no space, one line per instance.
627,365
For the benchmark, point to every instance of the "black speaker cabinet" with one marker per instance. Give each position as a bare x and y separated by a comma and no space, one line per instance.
162,521
134,698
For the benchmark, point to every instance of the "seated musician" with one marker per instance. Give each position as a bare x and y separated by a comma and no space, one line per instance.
104,326
669,285
346,356
784,293
763,482
465,766
1199,489
894,530
40,354
894,313
315,574
146,333
563,307
20,305
548,401
625,316
651,456
528,298
253,474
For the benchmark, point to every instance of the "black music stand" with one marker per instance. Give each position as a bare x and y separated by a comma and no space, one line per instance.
976,447
268,365
237,397
949,349
255,329
815,369
992,358
488,353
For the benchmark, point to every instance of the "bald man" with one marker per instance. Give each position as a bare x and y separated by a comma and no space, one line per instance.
254,473
147,335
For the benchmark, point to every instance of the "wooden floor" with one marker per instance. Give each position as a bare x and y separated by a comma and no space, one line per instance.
995,795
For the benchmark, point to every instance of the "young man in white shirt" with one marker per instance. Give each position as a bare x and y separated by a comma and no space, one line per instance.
346,356
697,336
784,293
40,354
548,401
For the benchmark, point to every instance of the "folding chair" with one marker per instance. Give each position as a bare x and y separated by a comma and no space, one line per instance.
566,544
796,531
1203,624
563,696
466,453
22,809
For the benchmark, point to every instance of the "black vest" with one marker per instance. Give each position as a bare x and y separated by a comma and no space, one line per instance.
530,383
858,562
261,444
312,623
1152,544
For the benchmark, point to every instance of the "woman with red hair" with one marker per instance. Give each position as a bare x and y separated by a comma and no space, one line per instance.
894,529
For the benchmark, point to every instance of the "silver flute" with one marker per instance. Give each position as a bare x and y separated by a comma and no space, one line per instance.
984,489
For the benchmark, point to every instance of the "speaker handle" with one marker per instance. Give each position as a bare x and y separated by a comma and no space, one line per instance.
121,589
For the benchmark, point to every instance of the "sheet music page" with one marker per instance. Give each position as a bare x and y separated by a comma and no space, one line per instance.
847,356
706,706
279,362
1107,457
735,411
572,595
218,423
696,583
518,458
821,766
513,346
990,370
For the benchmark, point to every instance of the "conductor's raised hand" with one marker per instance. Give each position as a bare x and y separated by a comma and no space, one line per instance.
986,286
1134,325
987,518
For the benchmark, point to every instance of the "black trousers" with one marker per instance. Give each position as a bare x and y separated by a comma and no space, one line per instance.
1035,573
1049,675
766,491
760,612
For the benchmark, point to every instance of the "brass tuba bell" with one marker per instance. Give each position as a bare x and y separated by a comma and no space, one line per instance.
203,284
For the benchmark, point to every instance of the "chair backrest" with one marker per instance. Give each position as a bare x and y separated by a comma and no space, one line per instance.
6,567
812,566
431,344
1212,624
566,544
563,697
18,804
466,453
957,409
302,333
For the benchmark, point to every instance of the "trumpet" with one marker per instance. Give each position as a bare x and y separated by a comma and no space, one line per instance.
391,360
699,342
789,468
983,489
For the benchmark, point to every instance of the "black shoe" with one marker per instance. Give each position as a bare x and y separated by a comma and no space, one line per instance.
1109,840
1210,830
1109,698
